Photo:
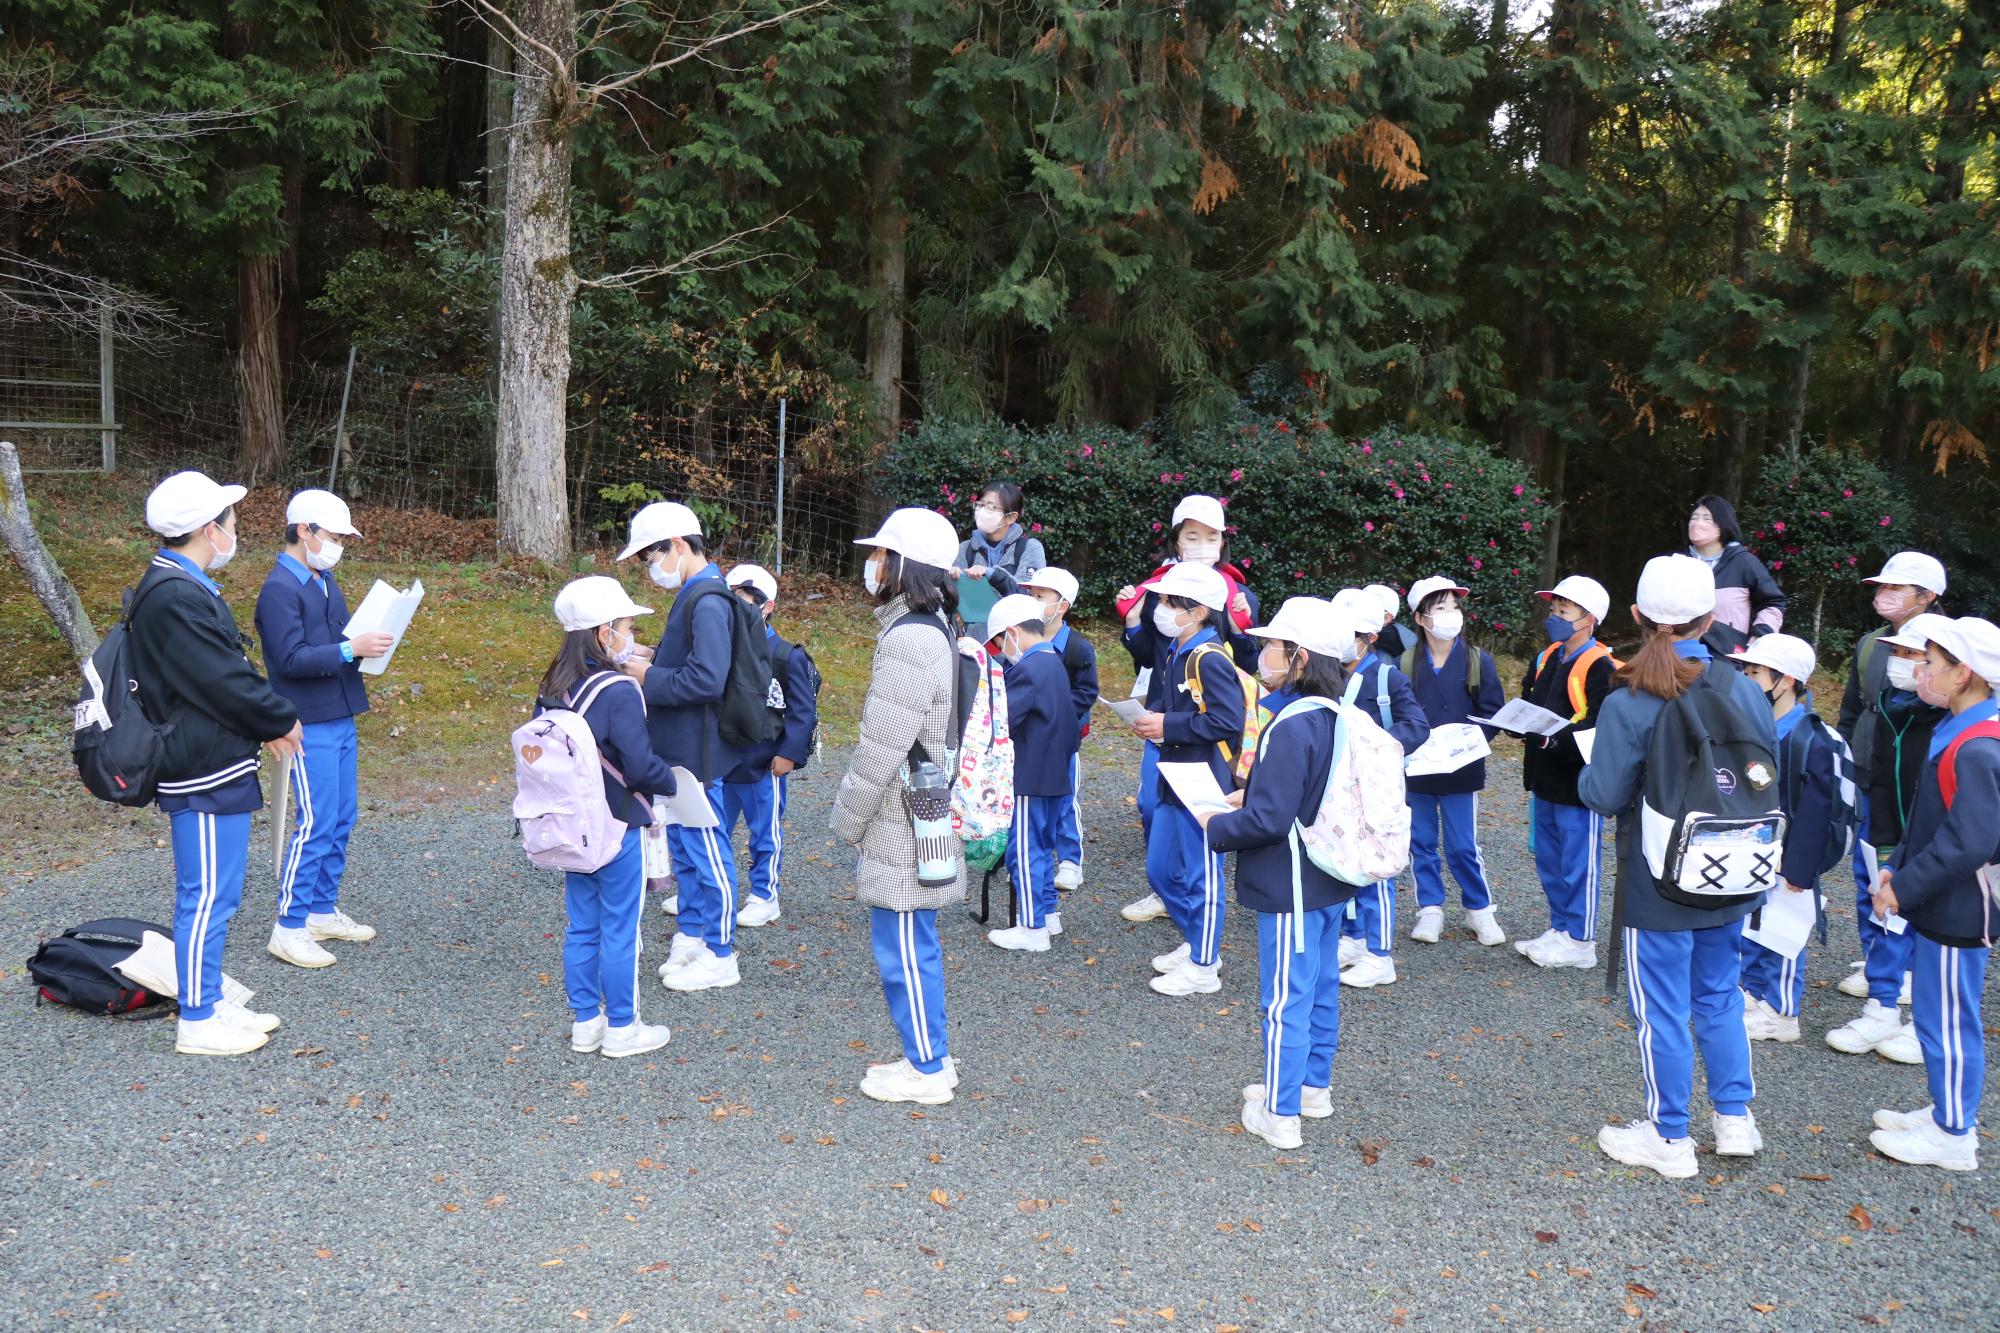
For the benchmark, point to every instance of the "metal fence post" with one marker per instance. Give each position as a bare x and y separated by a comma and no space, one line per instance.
106,404
340,426
779,551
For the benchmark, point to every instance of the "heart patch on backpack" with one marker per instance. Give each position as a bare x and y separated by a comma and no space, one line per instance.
530,754
1725,781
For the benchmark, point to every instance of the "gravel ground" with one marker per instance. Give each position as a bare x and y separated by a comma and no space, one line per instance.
418,1148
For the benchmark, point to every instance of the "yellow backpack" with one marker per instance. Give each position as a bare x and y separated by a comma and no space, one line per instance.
1243,753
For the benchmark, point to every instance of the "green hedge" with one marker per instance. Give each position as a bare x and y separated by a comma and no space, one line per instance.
1309,511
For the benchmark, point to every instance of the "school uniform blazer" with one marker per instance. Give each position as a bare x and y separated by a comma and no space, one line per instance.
1042,721
685,682
1806,825
1902,725
301,623
1232,627
1188,735
1294,759
1083,687
1407,722
1550,771
1617,774
1009,558
1943,849
617,721
1441,693
795,738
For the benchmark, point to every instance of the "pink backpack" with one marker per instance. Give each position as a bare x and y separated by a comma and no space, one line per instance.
559,787
982,796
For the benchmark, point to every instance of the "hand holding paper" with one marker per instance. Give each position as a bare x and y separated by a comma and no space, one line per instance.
1195,784
384,611
1525,719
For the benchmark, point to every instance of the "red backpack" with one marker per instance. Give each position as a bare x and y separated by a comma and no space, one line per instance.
1987,876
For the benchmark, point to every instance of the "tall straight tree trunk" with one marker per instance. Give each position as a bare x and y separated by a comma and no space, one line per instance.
888,253
537,291
260,374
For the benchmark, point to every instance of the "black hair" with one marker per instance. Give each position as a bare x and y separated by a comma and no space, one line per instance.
926,588
573,661
693,541
1180,603
1174,542
749,592
175,543
1008,493
1321,675
1724,514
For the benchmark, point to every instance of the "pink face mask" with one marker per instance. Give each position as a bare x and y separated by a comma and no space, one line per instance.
1928,692
1889,604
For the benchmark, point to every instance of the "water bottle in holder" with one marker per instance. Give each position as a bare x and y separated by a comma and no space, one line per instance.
927,797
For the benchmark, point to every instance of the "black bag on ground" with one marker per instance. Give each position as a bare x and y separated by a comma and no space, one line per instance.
743,715
76,968
117,748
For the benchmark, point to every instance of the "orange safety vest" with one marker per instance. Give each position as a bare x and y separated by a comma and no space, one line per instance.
1579,672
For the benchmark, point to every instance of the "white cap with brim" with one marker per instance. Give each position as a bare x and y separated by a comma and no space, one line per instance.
753,576
1195,582
1313,624
922,535
1015,608
659,522
1058,581
1676,590
1202,509
1917,632
1915,569
1971,640
187,501
1358,611
1386,598
323,510
1587,593
1436,583
597,600
1786,654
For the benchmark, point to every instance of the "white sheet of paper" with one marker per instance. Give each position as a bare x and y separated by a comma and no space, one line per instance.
1450,748
1195,784
688,806
1525,719
1141,681
1128,710
385,611
1785,923
1895,925
281,824
1586,741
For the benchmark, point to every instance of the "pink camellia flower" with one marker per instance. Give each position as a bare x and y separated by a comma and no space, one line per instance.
1527,527
1166,477
1478,564
1006,453
1298,573
1180,476
1447,485
945,510
1758,535
1886,520
1088,451
1515,572
1847,495
1284,426
1520,489
1236,474
1034,527
1425,475
1398,494
1777,564
1368,527
1499,625
1224,501
1826,513
945,490
1850,562
1367,448
1245,562
1156,527
1778,527
1492,545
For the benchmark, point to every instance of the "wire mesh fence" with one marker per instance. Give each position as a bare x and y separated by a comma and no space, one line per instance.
55,388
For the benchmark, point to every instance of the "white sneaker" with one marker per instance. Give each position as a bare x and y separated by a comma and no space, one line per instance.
1903,996
1486,927
296,946
216,1035
704,971
1280,1131
679,950
897,1069
1021,938
1374,969
1855,983
1164,963
1737,1136
1314,1103
1352,950
1876,1023
1902,1047
1562,951
903,1082
1430,925
1526,948
1069,875
635,1038
1924,1144
235,1013
338,925
1763,1023
1187,979
1149,908
1640,1144
585,1037
670,903
1897,1122
758,912
1053,923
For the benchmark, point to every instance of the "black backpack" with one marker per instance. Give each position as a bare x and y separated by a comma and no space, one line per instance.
744,714
75,968
965,685
781,671
1840,828
117,748
1710,824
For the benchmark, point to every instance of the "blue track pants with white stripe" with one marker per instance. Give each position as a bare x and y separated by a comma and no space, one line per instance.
1674,978
1301,995
1188,878
325,803
1031,857
1773,978
601,946
1945,986
1569,856
705,867
210,852
1069,837
911,961
1370,916
1457,817
761,807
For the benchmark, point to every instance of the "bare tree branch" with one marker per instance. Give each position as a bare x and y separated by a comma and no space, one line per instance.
593,92
33,292
695,261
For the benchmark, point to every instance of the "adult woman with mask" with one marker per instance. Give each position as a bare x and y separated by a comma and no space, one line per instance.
909,715
1748,601
1001,551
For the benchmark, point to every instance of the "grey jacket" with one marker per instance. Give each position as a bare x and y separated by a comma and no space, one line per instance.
909,699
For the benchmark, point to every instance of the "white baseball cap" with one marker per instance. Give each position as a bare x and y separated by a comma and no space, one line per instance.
1058,581
597,600
323,510
1202,509
1971,640
1917,631
922,535
1587,593
753,576
1786,654
187,501
663,520
1359,611
1423,588
1011,610
1313,624
1385,598
1676,590
1914,568
1194,581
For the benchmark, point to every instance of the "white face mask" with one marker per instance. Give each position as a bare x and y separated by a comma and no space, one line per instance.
871,576
327,556
1447,624
987,520
1902,673
665,572
1167,621
1272,677
1010,647
1201,550
620,656
218,557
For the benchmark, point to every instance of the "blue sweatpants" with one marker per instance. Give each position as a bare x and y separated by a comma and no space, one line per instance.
911,962
1188,878
1864,884
1031,857
325,802
1301,995
1945,987
1885,955
1149,786
210,852
1069,831
1458,813
1773,978
1371,917
601,946
1672,978
706,870
761,807
1569,854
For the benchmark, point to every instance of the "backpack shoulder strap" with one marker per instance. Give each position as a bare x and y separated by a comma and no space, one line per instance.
1948,761
1072,653
1382,696
1864,652
1192,674
1407,663
1475,669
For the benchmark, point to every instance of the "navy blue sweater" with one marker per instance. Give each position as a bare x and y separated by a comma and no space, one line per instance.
1806,826
1188,735
795,741
1080,661
1294,758
689,669
1148,646
1442,695
301,621
1380,678
1943,849
1042,721
617,720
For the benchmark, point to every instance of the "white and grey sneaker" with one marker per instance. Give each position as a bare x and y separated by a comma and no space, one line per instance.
295,945
587,1035
1486,926
1069,876
338,925
634,1038
246,1018
216,1035
1020,938
1737,1136
1188,979
758,911
1430,925
1925,1144
1164,963
1149,908
1280,1131
1314,1103
1640,1144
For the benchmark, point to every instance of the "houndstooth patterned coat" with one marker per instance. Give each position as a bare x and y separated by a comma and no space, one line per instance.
909,698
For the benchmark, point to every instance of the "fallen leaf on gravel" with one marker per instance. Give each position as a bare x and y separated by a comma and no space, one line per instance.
940,1198
301,1051
1166,1312
1578,1273
1016,1316
1775,1189
1546,1237
826,1140
623,1320
1425,1162
1057,1290
1448,1272
1859,1216
1249,1225
1032,1206
551,1263
1820,1178
450,1208
1641,1290
495,1202
1225,1226
580,1088
322,1254
1632,1311
1371,1150
353,1100
1762,1307
659,1267
1815,1129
